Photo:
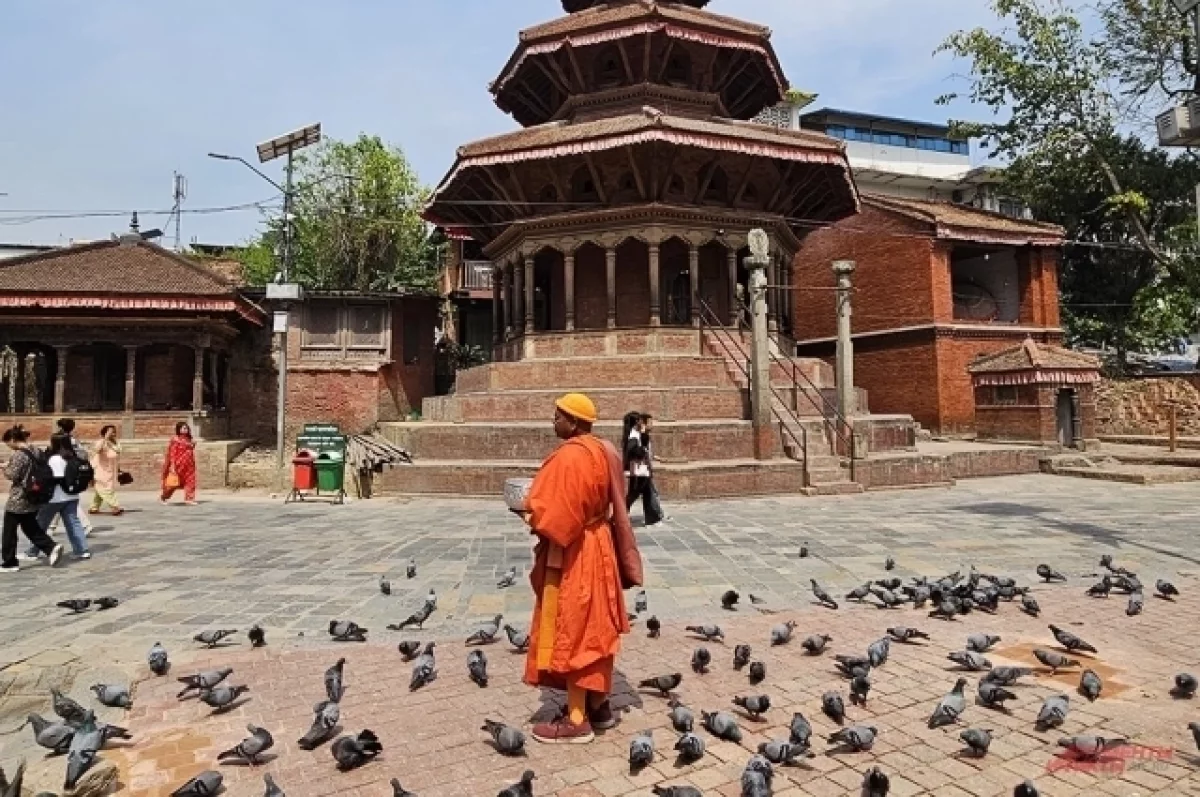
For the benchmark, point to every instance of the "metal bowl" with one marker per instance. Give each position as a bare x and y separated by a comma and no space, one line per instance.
516,493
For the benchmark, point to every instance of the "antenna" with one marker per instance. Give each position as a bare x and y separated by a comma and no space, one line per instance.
178,194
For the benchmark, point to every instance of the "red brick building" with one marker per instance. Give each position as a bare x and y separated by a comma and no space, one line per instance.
936,285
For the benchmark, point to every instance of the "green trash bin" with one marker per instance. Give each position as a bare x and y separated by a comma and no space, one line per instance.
331,470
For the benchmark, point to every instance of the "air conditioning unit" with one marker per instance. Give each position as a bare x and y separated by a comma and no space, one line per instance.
1175,126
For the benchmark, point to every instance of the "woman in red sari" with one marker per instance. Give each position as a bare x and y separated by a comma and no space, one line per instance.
179,468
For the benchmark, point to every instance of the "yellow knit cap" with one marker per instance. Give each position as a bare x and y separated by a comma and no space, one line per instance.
578,406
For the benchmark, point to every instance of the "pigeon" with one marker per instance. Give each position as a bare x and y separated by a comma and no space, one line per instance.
857,738
212,638
347,631
860,687
106,603
887,598
522,788
681,716
1091,747
203,680
653,627
1166,590
76,605
977,740
486,633
663,683
889,564
875,783
54,736
1026,789
640,604
1137,602
721,725
112,695
222,697
205,784
1007,676
411,570
425,670
385,586
400,791
741,656
352,752
249,749
1053,712
756,601
981,643
1127,584
890,584
257,636
157,659
641,751
780,751
756,778
1101,588
945,610
335,686
13,788
803,551
814,645
1053,659
860,593
1030,606
507,739
517,638
969,659
710,633
81,753
799,731
755,705
676,791
782,634
729,600
477,667
993,695
850,665
758,672
951,707
1185,685
508,579
1048,573
273,789
113,732
700,660
417,618
878,651
833,707
409,649
902,633
67,708
1090,685
324,725
690,747
822,596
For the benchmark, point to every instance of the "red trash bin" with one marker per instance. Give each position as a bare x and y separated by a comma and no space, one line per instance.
304,471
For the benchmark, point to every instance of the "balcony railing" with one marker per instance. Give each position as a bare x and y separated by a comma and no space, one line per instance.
476,275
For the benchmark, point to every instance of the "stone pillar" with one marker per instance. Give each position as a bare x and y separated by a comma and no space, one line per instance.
844,368
610,266
569,288
130,378
528,295
60,379
198,379
731,257
760,358
694,283
509,299
518,296
655,306
497,318
773,293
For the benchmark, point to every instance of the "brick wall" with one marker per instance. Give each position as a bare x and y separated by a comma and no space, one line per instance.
1140,406
956,396
900,374
253,386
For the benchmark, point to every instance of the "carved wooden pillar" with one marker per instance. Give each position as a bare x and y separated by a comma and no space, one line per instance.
198,379
732,260
694,283
509,301
773,293
655,306
518,295
529,295
60,379
130,378
497,318
569,288
610,264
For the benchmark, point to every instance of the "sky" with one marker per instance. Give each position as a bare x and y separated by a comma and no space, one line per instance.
102,102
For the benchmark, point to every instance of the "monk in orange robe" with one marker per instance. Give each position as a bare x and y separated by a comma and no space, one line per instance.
585,555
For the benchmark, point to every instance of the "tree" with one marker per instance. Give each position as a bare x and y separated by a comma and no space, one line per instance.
1150,49
357,221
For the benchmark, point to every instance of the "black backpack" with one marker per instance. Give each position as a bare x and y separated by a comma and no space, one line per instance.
78,475
39,483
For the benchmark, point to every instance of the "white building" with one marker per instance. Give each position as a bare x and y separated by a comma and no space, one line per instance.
20,250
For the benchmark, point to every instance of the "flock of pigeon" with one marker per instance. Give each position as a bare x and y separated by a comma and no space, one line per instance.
77,734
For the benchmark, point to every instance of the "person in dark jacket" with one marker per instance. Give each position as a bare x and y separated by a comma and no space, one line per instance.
19,511
637,465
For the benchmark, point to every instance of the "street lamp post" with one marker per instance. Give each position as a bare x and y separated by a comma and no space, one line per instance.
281,289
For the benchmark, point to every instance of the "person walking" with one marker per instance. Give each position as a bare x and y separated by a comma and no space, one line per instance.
645,429
70,479
179,467
105,471
20,511
637,466
585,556
67,427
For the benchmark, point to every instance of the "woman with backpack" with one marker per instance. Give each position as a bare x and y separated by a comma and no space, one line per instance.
179,469
26,470
71,477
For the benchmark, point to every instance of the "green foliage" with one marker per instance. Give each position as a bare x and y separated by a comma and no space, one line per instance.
358,224
1150,51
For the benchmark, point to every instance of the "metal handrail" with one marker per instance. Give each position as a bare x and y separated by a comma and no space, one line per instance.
709,319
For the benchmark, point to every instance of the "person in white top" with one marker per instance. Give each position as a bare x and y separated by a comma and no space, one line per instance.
65,501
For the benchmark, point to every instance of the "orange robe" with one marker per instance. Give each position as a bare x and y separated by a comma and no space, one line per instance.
580,610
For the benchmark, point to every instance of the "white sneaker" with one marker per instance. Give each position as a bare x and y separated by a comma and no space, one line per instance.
12,569
55,555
